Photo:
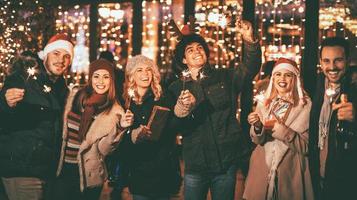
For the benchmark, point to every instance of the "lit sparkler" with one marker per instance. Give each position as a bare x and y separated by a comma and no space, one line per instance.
47,89
260,97
330,93
131,94
185,75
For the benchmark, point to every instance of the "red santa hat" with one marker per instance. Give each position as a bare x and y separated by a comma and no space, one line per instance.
58,41
284,63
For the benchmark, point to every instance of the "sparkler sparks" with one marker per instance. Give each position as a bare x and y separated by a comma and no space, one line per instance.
31,71
260,97
330,92
47,89
131,93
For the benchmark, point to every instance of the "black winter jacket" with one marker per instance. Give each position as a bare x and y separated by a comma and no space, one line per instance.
153,165
30,132
212,137
341,163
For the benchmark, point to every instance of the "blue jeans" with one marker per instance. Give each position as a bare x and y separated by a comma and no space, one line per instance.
141,197
221,186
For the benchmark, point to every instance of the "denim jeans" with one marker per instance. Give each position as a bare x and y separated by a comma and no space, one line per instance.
141,197
221,186
24,188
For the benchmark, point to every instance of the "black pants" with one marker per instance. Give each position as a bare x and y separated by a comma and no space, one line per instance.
67,186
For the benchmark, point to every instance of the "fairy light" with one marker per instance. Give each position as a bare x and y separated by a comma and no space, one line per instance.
271,15
16,31
116,30
215,24
74,21
150,29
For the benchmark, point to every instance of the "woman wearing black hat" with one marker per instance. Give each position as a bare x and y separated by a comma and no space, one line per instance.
94,124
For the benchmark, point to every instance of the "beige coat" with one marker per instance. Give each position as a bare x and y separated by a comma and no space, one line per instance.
101,139
283,155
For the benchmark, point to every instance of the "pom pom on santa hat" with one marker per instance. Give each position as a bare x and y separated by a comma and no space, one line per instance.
58,41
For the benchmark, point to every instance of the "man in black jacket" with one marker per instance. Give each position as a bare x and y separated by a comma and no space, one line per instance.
333,151
32,102
213,142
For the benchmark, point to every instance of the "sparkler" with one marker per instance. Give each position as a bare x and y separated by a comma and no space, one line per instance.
131,94
31,72
260,97
202,75
47,89
185,75
330,92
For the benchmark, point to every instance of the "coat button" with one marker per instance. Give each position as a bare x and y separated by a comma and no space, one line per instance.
143,117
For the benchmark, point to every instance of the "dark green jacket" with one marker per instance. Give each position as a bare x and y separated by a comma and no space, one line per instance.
30,132
212,137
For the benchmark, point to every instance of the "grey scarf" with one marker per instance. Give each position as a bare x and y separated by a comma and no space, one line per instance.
325,115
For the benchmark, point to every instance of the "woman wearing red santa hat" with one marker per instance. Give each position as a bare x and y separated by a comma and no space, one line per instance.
94,124
280,124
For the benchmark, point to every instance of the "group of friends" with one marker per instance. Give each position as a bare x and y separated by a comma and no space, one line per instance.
55,139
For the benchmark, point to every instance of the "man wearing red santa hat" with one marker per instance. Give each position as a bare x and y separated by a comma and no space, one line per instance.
31,103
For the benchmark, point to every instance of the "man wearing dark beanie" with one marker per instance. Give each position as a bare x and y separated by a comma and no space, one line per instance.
32,100
213,143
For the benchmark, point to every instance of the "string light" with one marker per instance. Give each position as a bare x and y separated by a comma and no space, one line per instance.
217,24
273,16
16,32
116,30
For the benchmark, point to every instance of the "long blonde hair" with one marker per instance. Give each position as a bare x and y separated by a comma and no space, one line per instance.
131,67
274,93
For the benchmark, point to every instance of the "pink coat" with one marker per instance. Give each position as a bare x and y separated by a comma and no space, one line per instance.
281,156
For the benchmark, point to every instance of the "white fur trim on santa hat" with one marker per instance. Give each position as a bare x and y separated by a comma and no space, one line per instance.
286,66
58,44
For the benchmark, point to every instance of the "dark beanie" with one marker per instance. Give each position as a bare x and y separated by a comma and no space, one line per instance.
101,64
179,53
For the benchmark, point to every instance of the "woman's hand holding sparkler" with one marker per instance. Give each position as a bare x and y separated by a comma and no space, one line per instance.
127,119
254,120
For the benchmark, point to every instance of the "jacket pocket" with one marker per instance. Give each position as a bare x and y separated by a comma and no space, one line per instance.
41,154
218,95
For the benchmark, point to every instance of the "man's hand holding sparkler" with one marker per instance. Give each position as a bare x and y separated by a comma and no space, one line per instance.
13,96
185,102
246,29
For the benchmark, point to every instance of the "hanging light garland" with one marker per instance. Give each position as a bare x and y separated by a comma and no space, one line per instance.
20,29
278,33
216,21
